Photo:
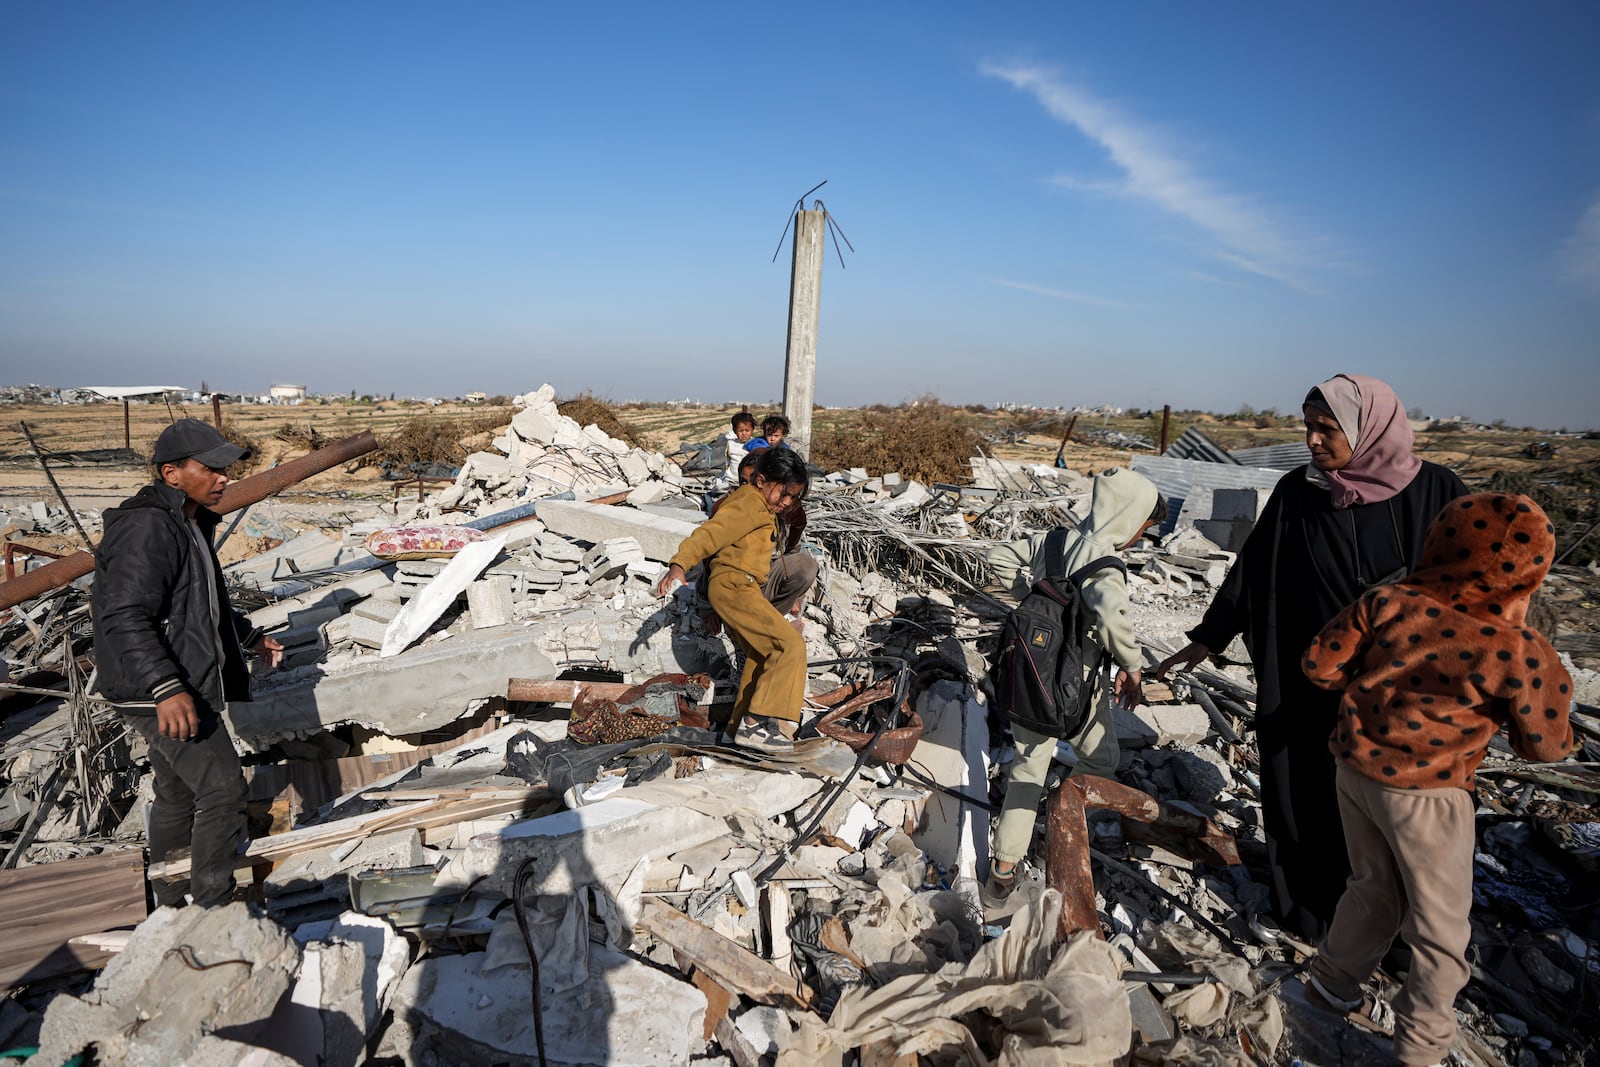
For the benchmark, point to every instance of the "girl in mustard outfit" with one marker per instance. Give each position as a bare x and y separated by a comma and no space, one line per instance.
739,541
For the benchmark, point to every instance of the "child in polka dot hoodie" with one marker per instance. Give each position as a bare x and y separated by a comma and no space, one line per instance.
1431,667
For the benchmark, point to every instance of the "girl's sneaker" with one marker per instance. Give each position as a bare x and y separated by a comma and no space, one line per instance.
997,887
762,735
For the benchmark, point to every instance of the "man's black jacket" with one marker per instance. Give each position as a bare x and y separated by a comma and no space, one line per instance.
153,627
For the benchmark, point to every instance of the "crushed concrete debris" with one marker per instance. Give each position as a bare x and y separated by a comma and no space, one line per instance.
689,901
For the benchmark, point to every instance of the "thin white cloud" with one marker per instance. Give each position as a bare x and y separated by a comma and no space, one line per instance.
1212,279
1245,233
1063,294
1580,255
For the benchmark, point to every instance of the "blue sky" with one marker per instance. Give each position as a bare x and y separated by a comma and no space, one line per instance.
1207,205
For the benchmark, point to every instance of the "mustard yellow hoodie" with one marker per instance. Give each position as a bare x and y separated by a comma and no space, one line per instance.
739,537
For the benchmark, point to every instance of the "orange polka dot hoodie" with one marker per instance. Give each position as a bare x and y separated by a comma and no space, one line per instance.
1434,664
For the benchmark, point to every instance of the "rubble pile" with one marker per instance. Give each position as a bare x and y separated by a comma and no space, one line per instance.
506,826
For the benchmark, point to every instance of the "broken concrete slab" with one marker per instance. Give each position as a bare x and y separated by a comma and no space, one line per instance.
955,751
657,535
132,1015
421,689
348,969
625,1015
1161,724
604,841
321,869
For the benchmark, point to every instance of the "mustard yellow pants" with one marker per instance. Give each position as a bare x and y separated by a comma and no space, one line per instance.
774,680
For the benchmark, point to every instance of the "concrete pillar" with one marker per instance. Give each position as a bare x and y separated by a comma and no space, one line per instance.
805,307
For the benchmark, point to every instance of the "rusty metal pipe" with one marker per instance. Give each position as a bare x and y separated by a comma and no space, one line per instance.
1067,842
552,691
240,494
1067,862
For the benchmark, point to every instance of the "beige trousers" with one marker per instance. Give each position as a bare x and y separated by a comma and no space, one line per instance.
1098,753
1411,874
774,679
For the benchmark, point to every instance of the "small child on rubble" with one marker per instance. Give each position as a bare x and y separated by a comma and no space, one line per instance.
739,541
1431,667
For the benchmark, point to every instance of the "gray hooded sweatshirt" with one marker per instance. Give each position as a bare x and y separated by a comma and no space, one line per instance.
1120,503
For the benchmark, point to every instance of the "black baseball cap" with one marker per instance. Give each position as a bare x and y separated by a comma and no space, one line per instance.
188,438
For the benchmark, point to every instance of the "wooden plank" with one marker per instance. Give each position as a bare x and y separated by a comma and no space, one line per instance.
310,784
424,816
730,965
49,904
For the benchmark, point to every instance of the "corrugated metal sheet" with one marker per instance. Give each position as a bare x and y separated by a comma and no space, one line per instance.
1192,444
1180,479
1284,457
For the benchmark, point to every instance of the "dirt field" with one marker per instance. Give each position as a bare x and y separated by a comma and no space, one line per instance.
1567,483
280,433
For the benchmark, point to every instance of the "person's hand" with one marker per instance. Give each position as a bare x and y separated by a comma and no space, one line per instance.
674,576
1128,690
176,717
1185,659
268,649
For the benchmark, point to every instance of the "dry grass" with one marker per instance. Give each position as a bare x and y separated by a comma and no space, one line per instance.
586,409
924,439
430,439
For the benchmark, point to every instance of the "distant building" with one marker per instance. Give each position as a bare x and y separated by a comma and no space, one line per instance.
476,398
288,394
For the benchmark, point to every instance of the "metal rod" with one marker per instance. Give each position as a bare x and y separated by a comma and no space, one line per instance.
238,495
127,427
216,411
1166,423
73,515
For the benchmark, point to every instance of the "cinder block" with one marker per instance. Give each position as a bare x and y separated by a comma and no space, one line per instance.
1227,535
489,600
1238,505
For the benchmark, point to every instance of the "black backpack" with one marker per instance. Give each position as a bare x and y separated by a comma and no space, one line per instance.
1037,673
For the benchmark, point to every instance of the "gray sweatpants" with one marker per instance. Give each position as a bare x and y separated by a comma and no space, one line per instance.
1098,753
1411,874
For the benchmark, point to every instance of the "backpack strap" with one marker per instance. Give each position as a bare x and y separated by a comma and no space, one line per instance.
1055,552
1103,563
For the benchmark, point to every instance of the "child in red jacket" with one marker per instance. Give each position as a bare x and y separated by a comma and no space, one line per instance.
1431,667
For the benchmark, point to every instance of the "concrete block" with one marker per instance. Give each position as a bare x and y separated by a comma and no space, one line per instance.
459,1014
379,609
348,969
322,869
658,536
1162,724
649,493
151,1006
892,480
907,495
489,600
364,631
535,424
1228,535
635,467
1238,505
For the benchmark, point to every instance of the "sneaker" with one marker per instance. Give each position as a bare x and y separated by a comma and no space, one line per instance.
997,887
762,735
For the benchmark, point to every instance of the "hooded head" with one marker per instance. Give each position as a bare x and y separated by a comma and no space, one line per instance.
1487,553
1374,423
1119,505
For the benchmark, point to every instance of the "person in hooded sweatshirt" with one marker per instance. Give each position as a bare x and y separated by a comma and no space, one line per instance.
1123,506
1427,671
169,655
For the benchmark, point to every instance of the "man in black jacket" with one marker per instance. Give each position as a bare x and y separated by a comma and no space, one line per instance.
169,651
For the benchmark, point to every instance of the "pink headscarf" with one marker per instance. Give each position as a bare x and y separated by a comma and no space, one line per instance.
1372,417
